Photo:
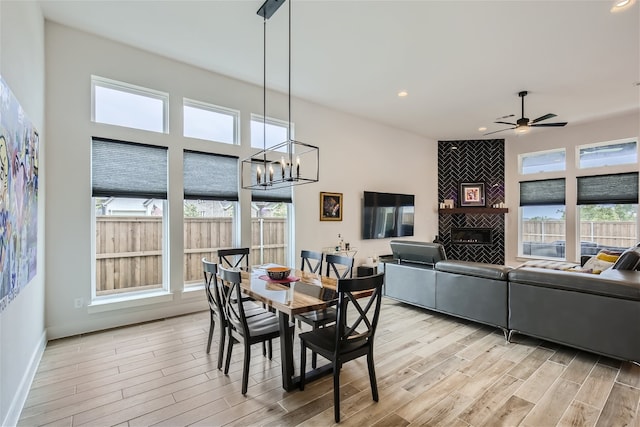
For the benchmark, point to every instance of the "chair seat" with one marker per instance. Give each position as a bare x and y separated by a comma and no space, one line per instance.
319,317
323,341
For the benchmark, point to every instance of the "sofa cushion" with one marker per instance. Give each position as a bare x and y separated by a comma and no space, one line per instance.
478,269
615,283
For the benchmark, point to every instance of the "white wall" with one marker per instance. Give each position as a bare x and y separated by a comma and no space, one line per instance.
621,126
22,331
356,155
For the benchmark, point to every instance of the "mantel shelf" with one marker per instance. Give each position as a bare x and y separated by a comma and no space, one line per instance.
493,211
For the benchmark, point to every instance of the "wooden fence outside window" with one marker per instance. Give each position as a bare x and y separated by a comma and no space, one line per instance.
129,249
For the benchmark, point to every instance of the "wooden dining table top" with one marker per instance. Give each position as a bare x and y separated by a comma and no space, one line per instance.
311,292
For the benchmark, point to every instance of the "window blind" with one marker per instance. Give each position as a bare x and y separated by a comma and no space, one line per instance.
127,169
615,188
281,194
543,192
210,176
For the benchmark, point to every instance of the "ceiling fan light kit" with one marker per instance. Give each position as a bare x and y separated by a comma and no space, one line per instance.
524,124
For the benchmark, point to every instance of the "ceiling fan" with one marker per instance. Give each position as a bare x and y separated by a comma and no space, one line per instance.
523,124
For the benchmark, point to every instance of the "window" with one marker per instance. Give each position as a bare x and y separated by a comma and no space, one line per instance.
542,218
129,190
276,132
123,104
210,205
608,210
270,209
608,154
210,122
543,161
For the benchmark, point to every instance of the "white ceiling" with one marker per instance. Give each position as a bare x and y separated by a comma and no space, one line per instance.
462,62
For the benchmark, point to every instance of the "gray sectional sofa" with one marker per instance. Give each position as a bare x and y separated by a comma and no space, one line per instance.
596,313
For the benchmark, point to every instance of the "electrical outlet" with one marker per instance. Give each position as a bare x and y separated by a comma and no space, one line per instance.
78,302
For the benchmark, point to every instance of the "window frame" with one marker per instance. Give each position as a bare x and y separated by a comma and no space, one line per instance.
579,149
235,114
121,189
549,202
522,156
273,122
134,90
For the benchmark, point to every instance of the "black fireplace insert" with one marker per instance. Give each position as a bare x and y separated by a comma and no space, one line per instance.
471,236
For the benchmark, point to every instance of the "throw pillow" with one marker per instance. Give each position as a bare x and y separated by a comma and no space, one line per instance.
597,264
609,256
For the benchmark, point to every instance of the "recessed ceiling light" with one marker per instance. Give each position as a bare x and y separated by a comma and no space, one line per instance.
620,5
403,93
482,129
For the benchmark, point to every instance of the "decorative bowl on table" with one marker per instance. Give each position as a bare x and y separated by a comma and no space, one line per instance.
278,273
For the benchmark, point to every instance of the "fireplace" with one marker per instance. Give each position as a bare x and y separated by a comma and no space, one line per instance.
471,236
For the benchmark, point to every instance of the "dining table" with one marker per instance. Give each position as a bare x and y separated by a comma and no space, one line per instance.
301,292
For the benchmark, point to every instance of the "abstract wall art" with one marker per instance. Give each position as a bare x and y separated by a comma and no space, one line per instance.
19,142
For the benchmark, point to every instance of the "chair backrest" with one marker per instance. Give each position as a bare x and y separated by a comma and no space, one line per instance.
210,271
345,262
311,261
361,326
232,299
234,258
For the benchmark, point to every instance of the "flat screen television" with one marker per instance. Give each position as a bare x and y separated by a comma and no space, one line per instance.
387,215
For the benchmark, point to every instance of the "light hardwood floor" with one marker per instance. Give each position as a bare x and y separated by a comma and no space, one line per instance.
432,369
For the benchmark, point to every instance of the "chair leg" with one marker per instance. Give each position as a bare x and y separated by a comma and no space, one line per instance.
372,377
303,363
212,325
245,367
336,392
223,337
270,349
229,350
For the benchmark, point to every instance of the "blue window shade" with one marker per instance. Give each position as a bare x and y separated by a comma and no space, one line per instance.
210,176
543,192
128,169
621,188
281,194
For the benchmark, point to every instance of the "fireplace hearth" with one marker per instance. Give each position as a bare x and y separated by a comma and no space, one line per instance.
471,236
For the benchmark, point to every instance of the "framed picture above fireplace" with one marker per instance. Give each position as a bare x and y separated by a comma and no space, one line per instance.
472,194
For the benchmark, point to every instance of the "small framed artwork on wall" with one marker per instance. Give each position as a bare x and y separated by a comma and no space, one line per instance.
472,194
330,206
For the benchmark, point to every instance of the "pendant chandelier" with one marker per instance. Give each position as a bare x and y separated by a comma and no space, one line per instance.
287,163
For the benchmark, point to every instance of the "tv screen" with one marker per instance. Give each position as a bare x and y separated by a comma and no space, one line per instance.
387,215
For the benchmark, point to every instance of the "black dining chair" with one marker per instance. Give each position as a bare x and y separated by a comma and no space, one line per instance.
242,328
216,311
351,337
341,267
311,261
234,258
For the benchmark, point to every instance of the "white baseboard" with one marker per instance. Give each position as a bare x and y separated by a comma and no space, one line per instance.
20,397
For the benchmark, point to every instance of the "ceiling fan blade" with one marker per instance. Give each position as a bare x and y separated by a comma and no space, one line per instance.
506,123
506,117
501,130
559,124
545,117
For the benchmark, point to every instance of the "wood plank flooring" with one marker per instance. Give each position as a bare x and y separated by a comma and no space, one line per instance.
432,370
